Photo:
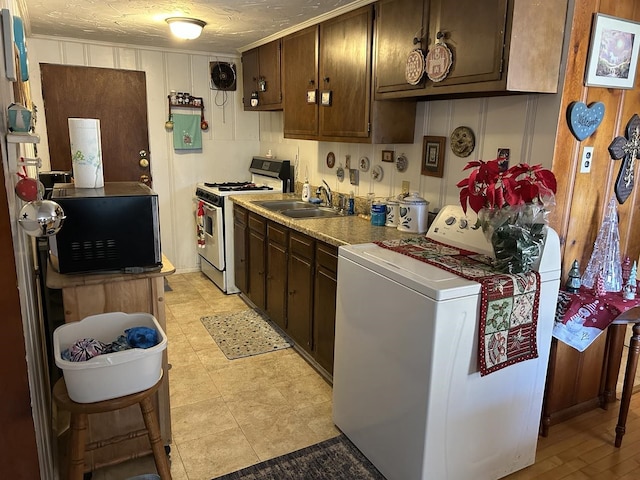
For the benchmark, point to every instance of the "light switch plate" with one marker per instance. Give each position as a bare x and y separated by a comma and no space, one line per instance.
587,158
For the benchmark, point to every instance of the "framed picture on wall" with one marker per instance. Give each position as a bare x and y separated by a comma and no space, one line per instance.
433,156
613,52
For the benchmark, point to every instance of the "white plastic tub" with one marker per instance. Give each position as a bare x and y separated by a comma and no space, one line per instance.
109,375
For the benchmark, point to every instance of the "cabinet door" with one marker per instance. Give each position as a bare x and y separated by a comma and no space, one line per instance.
345,74
240,248
475,33
257,260
401,26
276,281
324,305
270,78
300,64
300,290
250,74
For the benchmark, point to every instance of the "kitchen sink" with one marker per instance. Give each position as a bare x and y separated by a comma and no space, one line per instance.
315,212
280,205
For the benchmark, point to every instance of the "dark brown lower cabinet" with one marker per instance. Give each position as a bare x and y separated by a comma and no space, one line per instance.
257,260
324,305
300,288
292,278
276,281
240,264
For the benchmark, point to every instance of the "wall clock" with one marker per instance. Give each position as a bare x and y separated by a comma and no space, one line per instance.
463,141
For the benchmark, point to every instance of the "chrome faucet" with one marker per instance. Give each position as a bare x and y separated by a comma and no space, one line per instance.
327,193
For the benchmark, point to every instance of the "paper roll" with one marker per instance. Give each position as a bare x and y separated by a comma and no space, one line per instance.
86,152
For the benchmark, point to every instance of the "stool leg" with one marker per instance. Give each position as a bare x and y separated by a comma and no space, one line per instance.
77,441
627,389
153,430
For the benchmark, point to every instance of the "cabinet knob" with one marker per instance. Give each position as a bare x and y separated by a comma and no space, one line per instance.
417,40
440,35
312,81
326,79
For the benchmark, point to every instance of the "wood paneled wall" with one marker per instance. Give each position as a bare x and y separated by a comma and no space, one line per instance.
582,198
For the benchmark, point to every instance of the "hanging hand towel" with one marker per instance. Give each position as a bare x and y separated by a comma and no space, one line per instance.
186,132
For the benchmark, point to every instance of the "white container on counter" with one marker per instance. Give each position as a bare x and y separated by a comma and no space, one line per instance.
393,212
414,214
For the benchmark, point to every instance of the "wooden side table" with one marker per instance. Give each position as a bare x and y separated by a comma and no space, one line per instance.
615,342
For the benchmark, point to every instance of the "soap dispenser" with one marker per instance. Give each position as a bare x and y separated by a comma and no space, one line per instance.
306,191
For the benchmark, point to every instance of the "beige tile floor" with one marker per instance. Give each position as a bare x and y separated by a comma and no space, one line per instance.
229,414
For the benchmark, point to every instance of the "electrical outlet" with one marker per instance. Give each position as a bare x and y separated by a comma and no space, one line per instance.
405,187
587,158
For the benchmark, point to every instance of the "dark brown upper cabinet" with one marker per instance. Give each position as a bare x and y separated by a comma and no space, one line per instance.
300,83
262,77
498,46
328,89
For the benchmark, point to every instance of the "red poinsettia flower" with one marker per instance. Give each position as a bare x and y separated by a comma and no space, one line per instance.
488,186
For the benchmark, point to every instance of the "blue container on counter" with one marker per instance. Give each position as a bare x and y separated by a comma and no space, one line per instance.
378,214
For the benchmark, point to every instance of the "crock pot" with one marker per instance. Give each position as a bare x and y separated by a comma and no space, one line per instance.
414,214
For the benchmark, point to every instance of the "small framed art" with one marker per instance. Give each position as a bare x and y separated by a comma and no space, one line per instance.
433,156
387,156
613,52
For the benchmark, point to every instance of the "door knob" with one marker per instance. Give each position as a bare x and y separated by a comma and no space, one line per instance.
145,179
144,163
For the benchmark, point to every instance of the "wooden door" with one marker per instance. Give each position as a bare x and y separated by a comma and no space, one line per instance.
473,60
118,98
300,63
345,74
401,26
17,436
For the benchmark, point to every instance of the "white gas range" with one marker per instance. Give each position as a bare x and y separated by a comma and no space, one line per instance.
214,215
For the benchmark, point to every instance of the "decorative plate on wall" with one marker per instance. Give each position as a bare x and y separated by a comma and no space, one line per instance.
331,159
364,164
340,173
402,163
463,141
377,173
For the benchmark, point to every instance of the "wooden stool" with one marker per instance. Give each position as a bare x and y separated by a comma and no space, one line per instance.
79,412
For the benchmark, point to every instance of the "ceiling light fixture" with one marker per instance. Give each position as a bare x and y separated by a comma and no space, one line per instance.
185,28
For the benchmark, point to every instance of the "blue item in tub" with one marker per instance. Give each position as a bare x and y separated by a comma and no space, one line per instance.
142,337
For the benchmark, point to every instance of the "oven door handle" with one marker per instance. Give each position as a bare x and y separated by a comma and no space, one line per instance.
206,205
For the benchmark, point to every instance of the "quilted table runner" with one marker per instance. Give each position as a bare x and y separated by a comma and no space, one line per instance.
508,303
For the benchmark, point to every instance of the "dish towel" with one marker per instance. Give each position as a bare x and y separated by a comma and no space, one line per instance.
186,132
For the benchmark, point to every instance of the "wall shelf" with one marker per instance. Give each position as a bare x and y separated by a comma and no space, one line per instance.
23,137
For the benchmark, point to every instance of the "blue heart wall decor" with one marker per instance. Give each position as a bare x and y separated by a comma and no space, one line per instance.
584,120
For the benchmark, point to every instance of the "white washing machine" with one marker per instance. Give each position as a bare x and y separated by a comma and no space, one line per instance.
406,387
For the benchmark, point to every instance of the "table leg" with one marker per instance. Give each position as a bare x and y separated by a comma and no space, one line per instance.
615,344
78,430
629,376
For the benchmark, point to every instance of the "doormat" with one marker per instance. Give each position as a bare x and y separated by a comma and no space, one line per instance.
336,458
243,334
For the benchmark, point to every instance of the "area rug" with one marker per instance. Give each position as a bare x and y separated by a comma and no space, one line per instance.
243,334
333,459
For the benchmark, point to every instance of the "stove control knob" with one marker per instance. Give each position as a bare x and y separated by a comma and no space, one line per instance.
464,223
450,220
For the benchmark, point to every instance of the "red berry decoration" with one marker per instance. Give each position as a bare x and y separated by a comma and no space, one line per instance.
28,188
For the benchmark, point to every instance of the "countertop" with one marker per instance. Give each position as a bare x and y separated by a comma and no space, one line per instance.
336,231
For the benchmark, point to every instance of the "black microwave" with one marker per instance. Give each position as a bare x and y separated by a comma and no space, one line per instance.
113,228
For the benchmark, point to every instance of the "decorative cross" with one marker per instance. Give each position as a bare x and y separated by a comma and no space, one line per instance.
629,149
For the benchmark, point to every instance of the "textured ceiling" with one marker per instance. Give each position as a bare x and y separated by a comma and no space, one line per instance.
231,24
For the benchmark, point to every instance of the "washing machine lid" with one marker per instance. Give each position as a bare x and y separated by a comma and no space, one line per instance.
422,277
